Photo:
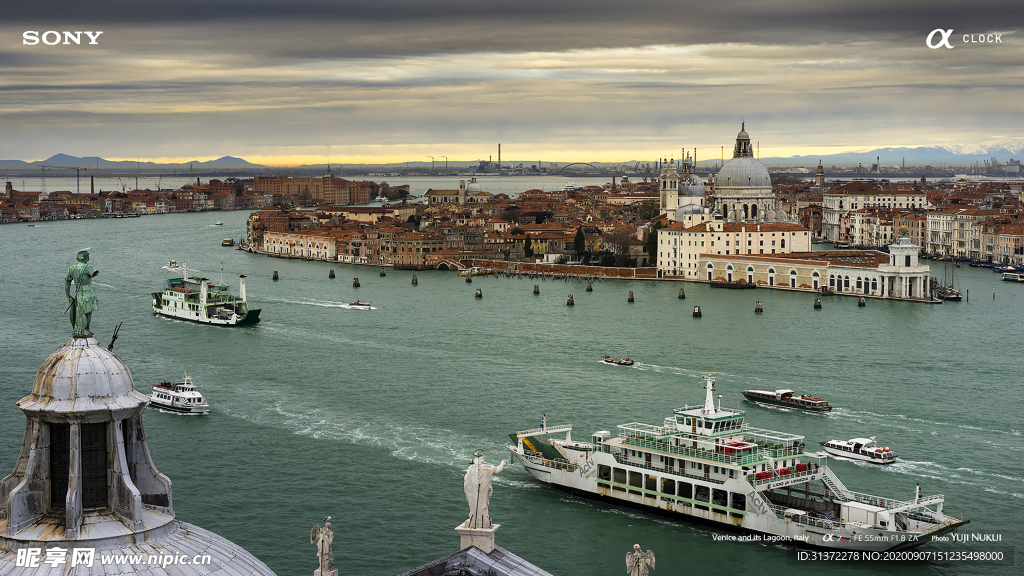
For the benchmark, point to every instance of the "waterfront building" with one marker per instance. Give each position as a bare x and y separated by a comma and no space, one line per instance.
409,249
949,230
681,247
300,245
743,188
839,202
897,275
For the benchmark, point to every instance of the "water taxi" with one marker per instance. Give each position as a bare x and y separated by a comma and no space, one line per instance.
198,300
181,397
787,399
705,463
475,271
865,449
360,305
617,361
173,266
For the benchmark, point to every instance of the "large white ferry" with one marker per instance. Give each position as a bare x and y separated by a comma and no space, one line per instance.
705,463
197,300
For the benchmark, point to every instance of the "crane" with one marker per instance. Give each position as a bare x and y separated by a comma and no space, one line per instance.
78,179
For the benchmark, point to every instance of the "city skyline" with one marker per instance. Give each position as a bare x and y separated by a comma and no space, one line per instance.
597,81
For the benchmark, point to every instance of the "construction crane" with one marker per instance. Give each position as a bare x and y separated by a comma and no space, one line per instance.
42,177
78,179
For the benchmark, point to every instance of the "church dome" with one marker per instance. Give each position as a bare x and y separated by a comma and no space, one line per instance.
743,172
690,185
82,377
474,188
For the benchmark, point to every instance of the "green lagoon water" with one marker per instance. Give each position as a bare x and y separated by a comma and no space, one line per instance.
372,416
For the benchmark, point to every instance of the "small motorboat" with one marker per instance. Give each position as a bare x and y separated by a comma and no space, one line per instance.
865,449
173,266
616,361
218,223
360,305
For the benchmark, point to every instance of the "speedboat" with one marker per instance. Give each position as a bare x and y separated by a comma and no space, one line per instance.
172,266
360,305
865,449
218,223
181,397
618,361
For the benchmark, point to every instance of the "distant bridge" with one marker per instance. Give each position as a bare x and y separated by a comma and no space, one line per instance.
596,169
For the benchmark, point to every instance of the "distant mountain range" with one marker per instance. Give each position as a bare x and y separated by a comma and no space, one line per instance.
92,163
948,154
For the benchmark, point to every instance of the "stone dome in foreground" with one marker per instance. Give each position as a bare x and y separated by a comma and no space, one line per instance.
85,479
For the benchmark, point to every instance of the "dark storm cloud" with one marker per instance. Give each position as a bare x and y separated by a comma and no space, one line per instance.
313,29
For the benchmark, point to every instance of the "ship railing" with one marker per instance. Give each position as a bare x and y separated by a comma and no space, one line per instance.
836,485
777,477
890,504
675,472
780,512
546,430
702,453
559,463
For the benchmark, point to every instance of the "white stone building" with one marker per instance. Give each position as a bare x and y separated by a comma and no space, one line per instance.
680,246
839,202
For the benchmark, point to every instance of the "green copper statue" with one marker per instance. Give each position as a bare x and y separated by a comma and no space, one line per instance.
83,303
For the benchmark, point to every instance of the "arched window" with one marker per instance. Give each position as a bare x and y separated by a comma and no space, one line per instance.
753,211
874,285
832,280
783,242
750,274
815,277
846,283
746,211
771,276
792,278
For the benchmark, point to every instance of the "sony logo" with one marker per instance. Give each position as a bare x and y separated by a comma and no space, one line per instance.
53,37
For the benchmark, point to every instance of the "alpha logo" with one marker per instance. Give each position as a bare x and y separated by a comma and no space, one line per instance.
945,38
53,37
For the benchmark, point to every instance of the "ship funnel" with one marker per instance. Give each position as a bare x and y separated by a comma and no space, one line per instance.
241,287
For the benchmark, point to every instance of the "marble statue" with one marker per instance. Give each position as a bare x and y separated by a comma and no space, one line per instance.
478,490
638,563
83,303
323,538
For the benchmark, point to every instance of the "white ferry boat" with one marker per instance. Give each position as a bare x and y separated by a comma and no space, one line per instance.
706,464
179,397
197,300
860,449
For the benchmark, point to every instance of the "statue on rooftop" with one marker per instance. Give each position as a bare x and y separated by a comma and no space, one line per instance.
638,563
324,539
83,303
478,489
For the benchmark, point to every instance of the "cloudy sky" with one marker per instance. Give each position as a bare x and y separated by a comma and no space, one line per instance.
286,83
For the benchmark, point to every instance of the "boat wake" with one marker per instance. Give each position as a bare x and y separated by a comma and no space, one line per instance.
417,443
325,304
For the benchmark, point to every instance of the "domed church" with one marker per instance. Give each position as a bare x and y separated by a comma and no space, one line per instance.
85,496
743,188
682,192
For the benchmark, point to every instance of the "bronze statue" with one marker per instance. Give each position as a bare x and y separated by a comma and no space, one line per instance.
83,303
